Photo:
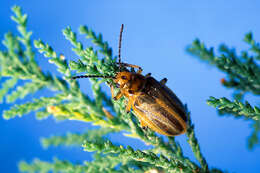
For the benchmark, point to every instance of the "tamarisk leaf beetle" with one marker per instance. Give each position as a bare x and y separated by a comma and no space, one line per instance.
155,105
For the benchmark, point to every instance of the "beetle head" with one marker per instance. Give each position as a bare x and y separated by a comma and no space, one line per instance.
122,79
131,82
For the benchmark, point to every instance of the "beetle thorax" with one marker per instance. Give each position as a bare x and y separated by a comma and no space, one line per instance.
130,82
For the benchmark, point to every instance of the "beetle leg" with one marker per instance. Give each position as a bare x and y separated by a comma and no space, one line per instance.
107,113
143,125
144,128
112,90
148,75
119,94
129,105
163,81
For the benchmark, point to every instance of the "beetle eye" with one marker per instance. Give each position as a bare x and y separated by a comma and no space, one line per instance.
123,77
131,91
117,85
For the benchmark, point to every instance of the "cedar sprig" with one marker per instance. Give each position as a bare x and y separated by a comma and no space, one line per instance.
6,86
20,110
75,139
193,141
255,47
243,72
106,164
243,75
236,108
253,139
98,40
56,166
137,155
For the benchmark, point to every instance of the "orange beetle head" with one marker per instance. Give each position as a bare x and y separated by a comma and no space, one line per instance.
123,78
131,82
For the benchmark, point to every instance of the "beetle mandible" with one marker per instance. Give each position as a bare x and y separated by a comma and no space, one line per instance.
155,105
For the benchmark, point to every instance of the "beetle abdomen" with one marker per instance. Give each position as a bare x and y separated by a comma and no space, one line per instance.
156,116
160,109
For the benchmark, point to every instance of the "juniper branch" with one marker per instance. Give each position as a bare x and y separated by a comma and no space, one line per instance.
162,161
243,75
22,91
32,106
57,166
255,47
253,139
6,87
75,139
193,141
236,108
105,164
105,49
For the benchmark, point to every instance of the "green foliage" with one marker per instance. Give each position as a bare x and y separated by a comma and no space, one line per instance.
20,110
236,108
192,140
6,86
149,157
99,164
243,75
242,71
72,139
255,47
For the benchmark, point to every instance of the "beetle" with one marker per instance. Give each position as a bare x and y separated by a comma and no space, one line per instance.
154,104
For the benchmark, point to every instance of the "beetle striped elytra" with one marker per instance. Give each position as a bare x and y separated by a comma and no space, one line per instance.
155,105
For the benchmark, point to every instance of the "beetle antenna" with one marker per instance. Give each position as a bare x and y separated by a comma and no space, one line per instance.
119,47
92,76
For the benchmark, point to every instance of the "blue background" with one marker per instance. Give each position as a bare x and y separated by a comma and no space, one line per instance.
155,37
